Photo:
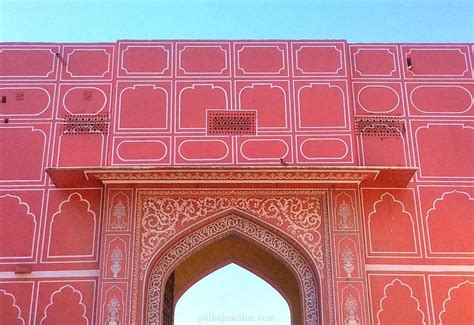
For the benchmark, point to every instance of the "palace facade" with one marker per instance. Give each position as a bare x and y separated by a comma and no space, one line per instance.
342,174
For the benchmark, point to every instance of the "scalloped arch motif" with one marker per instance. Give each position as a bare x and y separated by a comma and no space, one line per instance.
21,231
19,319
411,297
384,197
59,292
228,224
59,213
453,229
449,299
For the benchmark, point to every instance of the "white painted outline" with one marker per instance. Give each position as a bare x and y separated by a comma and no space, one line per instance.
203,159
88,49
412,276
357,258
240,72
125,263
379,111
84,87
33,128
266,139
301,71
202,45
300,147
335,205
110,204
272,85
59,138
411,296
59,211
117,150
297,44
30,88
30,48
434,48
300,160
369,232
429,268
193,85
445,302
14,305
416,151
378,49
50,274
440,85
35,227
433,208
354,211
330,85
155,73
359,300
59,291
103,313
402,139
134,87
96,191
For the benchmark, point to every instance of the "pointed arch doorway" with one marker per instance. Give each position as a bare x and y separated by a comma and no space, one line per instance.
232,237
232,294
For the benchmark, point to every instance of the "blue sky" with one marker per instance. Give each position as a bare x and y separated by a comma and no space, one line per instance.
356,21
233,295
425,21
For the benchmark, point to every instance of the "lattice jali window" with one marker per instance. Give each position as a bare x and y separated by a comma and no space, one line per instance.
220,122
379,126
86,124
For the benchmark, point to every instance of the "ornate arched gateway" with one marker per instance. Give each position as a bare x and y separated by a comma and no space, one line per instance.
296,228
176,223
229,225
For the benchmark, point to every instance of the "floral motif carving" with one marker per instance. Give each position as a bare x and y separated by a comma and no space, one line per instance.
162,212
218,228
344,215
351,308
113,308
347,260
116,258
119,214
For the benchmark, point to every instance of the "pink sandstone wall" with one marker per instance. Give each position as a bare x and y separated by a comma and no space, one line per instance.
312,103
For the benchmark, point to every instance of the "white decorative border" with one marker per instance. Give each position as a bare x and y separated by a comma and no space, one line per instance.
127,46
224,47
53,49
213,85
303,84
387,49
134,86
239,47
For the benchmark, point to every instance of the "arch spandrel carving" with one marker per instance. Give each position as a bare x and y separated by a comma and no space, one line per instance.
170,223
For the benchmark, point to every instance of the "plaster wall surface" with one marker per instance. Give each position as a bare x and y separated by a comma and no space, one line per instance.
70,255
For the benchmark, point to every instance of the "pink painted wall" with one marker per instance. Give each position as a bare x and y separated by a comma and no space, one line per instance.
415,244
